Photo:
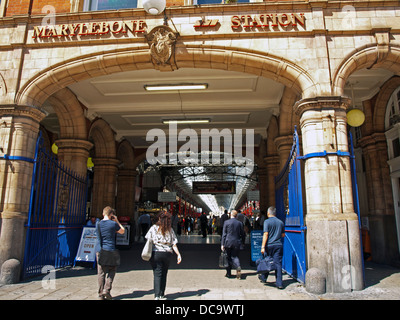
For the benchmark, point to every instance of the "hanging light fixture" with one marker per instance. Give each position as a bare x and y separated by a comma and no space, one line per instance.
154,6
355,116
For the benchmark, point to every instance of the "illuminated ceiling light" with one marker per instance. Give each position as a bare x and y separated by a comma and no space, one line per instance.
172,87
186,121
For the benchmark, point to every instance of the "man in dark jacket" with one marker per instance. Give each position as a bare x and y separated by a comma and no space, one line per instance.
232,237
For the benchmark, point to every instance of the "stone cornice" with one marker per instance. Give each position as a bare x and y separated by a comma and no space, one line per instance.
200,9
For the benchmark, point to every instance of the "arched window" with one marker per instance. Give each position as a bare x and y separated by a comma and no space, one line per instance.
392,124
393,110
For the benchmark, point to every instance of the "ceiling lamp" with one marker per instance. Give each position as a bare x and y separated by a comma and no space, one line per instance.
176,87
154,6
185,121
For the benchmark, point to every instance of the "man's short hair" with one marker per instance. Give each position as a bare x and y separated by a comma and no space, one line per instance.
108,210
234,213
272,211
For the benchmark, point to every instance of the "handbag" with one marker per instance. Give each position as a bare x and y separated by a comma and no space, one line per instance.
147,250
265,265
223,260
109,258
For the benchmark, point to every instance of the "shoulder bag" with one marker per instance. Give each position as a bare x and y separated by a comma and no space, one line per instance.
147,250
265,265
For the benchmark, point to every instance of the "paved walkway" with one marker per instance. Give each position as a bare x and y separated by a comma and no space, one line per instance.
196,278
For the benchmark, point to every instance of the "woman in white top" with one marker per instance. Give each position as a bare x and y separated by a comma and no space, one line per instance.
164,243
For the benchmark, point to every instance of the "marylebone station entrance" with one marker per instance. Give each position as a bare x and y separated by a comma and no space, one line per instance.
202,107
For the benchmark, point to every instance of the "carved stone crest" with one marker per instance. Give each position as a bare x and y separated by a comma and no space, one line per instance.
162,46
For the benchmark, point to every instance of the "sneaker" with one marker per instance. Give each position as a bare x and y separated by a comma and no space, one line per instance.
157,298
162,298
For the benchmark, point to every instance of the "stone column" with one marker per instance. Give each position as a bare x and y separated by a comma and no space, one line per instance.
263,188
126,192
74,154
104,184
284,146
19,129
333,235
272,170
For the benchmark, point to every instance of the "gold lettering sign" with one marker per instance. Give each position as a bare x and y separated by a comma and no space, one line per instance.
90,28
267,20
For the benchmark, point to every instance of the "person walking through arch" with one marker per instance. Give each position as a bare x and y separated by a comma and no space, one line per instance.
108,257
232,238
274,231
164,243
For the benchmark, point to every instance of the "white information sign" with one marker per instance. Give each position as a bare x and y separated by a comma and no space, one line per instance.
123,239
253,195
166,196
87,246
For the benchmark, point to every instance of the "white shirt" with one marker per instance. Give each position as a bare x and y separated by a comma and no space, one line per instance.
160,242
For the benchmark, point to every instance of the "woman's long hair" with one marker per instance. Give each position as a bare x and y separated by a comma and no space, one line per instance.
164,222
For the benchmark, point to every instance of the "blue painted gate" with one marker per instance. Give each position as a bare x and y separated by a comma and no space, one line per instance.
57,214
289,208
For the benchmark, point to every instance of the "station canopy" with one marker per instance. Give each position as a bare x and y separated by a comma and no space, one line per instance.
184,174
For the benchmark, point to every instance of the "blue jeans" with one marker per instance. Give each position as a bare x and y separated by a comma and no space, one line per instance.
276,252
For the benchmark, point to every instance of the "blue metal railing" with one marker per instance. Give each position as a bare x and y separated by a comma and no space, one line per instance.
57,213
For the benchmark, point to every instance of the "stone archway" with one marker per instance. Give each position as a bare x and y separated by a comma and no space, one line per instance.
370,57
42,86
374,147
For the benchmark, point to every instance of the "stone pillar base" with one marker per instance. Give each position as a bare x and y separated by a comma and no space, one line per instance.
333,247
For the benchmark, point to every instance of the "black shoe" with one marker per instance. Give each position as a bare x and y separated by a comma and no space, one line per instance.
228,275
280,287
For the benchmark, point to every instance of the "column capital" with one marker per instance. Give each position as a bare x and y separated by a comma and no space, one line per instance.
74,143
106,162
321,103
283,141
372,140
127,172
22,111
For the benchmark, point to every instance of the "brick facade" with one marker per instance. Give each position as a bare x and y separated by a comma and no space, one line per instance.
19,7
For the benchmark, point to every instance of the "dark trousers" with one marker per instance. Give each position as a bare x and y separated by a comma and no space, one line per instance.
145,228
276,252
160,263
233,259
203,227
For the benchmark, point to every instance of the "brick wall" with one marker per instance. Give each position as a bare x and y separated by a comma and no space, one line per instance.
16,7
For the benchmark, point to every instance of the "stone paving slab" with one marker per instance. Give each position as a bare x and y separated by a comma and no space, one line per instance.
196,278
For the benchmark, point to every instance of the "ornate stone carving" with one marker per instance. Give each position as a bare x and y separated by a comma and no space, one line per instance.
162,46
